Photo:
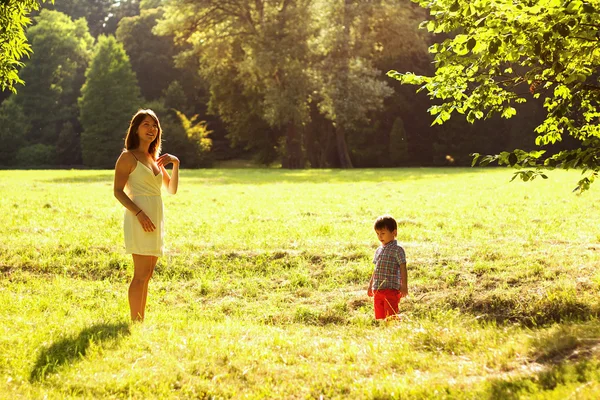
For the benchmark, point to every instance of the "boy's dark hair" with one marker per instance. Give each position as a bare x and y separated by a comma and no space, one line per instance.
386,221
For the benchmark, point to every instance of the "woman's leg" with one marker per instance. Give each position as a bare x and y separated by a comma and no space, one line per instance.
145,293
142,271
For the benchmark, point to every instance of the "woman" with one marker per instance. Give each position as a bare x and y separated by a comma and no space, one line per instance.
142,172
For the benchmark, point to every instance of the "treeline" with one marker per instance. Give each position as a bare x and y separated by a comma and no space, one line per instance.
297,81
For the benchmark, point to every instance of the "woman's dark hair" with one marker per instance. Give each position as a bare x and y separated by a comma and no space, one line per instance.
132,140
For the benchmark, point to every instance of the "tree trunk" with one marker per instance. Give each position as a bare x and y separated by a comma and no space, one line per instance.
340,130
342,147
293,158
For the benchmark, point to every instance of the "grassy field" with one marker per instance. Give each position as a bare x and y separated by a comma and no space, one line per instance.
262,293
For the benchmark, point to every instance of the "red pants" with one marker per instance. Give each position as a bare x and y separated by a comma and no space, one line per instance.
386,302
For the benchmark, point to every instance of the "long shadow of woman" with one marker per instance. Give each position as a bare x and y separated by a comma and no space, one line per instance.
69,349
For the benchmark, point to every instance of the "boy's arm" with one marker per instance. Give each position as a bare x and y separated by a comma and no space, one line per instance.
370,288
403,280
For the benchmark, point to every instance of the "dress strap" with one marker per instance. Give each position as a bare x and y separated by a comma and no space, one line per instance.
134,155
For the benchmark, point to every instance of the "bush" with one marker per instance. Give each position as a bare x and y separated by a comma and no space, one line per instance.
14,126
36,155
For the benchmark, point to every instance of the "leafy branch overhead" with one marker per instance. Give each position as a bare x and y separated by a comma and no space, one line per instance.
504,53
13,43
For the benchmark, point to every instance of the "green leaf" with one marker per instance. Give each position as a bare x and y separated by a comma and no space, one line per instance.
487,160
575,77
588,8
431,26
493,47
471,44
574,6
562,29
471,117
509,112
461,38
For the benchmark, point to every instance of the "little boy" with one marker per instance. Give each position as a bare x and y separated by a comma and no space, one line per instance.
389,280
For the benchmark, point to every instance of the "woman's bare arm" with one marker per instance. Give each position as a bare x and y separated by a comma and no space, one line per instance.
125,165
170,182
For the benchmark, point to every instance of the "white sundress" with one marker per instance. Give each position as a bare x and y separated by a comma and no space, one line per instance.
144,188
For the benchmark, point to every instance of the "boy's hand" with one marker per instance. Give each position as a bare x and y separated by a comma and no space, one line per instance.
370,291
403,292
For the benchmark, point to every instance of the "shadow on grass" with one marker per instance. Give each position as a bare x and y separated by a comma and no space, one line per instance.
567,343
70,349
565,378
564,361
507,308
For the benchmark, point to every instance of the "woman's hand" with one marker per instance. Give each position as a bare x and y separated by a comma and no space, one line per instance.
146,222
167,159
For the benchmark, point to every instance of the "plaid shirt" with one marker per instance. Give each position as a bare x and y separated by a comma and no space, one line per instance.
387,262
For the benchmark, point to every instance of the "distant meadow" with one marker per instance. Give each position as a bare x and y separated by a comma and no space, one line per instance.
262,291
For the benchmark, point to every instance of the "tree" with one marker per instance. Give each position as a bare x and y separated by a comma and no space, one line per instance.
175,98
151,56
240,108
398,149
109,98
95,12
260,47
14,125
357,41
13,42
102,16
349,85
54,75
68,146
392,40
120,9
504,53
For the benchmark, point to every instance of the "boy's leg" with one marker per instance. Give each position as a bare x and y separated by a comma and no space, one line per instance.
385,303
379,304
391,300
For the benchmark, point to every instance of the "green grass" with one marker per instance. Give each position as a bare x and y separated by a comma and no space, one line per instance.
262,293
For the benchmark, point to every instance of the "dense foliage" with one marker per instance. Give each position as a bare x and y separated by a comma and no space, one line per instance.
304,72
502,54
296,82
